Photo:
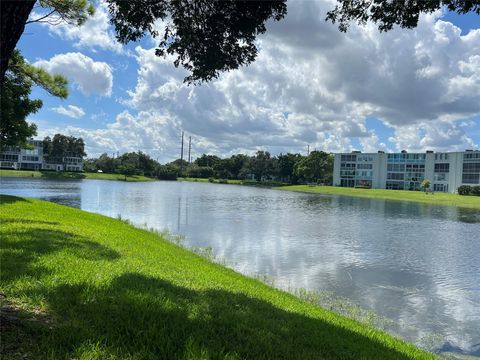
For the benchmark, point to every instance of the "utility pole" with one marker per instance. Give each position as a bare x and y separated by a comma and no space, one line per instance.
181,158
308,150
189,148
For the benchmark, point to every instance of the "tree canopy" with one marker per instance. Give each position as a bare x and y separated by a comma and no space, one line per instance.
387,13
262,166
14,15
206,37
62,146
16,104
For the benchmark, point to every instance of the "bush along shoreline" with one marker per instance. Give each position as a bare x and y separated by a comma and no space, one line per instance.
469,190
82,285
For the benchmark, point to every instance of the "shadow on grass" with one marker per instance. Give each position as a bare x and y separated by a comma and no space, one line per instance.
8,199
27,221
21,249
148,318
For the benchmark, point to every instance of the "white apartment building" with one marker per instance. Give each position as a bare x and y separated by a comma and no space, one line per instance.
14,157
406,171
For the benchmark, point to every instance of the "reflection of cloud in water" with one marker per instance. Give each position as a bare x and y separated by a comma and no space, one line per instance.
413,263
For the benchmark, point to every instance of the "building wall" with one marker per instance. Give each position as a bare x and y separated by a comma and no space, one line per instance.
33,159
30,159
446,171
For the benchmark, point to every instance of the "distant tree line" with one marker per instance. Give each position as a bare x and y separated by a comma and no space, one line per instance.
317,167
60,146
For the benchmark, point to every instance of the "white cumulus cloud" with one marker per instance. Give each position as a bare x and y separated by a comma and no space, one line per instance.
72,111
312,84
95,33
90,76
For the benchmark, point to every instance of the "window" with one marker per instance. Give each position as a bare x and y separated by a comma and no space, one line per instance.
365,166
395,185
364,183
9,157
471,173
471,178
367,174
347,183
471,155
471,167
347,167
351,158
364,158
440,187
31,152
396,167
440,177
442,168
415,167
440,156
395,176
29,158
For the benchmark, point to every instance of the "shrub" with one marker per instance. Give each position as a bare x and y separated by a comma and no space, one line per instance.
464,190
200,172
164,172
211,179
475,190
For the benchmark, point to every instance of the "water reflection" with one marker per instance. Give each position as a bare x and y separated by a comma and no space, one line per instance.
414,263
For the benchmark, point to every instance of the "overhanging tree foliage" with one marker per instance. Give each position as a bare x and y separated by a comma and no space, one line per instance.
14,15
387,13
206,37
16,104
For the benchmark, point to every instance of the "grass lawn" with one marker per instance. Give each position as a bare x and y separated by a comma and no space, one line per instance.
233,182
215,181
418,196
71,175
84,286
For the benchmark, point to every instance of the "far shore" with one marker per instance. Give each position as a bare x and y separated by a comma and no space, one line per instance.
72,175
437,198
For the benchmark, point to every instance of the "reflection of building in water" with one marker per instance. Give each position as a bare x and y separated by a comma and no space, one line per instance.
14,157
403,171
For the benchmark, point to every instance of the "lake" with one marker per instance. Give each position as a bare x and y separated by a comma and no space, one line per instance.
416,264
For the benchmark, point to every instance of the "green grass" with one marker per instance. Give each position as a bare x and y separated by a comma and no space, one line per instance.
403,195
215,181
71,175
85,286
233,182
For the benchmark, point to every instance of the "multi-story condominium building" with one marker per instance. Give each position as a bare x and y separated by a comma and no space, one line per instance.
14,157
404,171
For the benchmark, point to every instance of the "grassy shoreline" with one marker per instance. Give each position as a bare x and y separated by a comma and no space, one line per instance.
71,175
438,198
399,195
268,184
81,285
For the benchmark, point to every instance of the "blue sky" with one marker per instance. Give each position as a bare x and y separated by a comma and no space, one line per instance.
340,91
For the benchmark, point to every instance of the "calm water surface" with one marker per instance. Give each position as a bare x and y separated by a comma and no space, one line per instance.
416,264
